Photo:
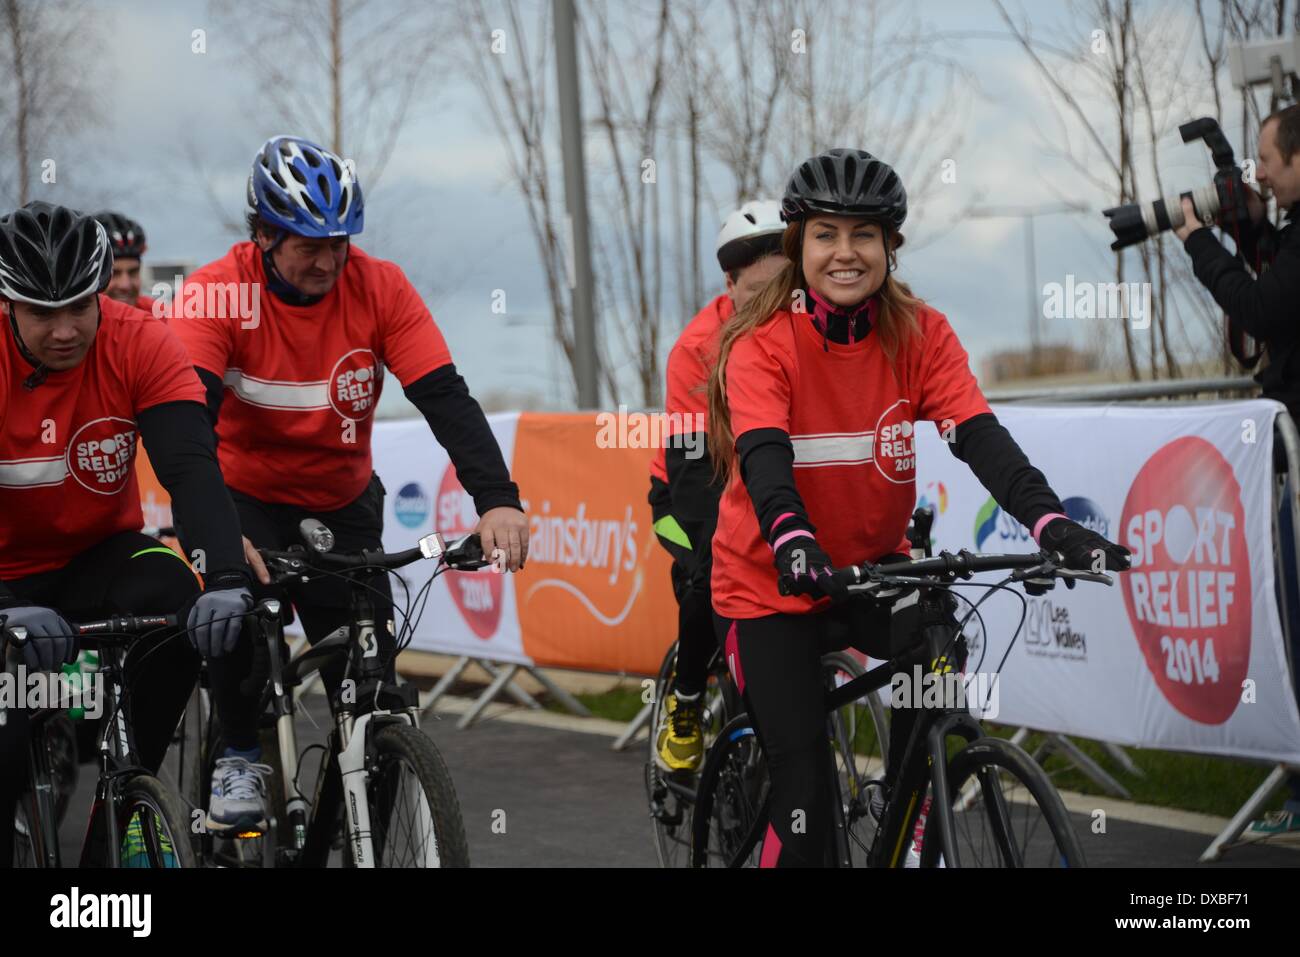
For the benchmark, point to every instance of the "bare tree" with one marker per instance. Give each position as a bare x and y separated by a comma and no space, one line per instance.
342,71
1110,76
628,71
47,88
511,66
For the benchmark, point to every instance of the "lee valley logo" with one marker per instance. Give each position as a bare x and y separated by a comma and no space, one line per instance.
103,910
52,689
1048,633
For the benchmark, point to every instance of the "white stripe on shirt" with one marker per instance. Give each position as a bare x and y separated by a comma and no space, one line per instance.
33,473
270,394
833,448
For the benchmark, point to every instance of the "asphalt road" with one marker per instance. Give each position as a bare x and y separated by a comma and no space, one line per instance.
545,797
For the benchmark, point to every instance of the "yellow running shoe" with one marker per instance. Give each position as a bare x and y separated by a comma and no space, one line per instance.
681,740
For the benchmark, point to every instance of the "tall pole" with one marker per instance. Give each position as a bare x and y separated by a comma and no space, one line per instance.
1027,214
575,201
1031,272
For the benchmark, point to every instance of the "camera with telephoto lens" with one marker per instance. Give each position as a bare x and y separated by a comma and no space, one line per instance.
1224,201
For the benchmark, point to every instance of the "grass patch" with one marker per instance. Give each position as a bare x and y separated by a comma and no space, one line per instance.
618,704
1174,779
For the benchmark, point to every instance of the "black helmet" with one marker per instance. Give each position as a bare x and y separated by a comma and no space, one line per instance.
845,182
124,234
51,255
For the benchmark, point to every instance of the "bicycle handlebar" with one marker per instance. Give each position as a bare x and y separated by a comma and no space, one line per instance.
877,580
464,555
109,631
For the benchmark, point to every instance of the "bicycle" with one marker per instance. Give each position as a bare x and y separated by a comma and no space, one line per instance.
672,793
135,820
379,772
732,801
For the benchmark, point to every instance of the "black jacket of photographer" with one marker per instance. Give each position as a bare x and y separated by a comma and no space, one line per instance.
1267,307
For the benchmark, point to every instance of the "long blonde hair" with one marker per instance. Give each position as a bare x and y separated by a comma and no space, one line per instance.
895,323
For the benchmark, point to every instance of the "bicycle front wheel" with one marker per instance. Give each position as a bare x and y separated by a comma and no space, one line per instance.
1006,812
153,826
415,818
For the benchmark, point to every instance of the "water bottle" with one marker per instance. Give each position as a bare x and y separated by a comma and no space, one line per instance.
76,680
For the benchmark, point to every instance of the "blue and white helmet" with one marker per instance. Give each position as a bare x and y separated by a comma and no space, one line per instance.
305,189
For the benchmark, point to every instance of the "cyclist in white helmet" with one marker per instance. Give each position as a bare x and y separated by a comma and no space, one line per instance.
683,494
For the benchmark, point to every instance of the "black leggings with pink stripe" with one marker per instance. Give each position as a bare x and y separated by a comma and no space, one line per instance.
776,662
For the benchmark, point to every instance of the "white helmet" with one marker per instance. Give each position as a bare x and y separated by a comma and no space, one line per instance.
750,233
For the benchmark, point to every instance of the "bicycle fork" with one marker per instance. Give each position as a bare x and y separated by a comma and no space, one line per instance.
295,804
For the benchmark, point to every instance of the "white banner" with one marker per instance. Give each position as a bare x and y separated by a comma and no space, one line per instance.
1184,652
467,613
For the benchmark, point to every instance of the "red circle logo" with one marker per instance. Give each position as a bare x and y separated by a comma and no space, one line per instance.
1188,594
477,594
354,384
100,454
895,448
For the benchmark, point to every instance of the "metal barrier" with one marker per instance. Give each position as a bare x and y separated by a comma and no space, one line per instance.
1125,391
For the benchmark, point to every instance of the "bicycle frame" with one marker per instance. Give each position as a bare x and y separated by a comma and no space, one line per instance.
355,715
924,758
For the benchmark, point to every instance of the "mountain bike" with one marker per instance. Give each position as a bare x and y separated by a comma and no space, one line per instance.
382,793
984,804
135,820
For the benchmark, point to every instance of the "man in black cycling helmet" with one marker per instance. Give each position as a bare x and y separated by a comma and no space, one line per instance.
81,377
127,238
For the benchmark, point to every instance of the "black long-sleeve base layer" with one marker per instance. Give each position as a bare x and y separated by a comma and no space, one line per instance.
179,441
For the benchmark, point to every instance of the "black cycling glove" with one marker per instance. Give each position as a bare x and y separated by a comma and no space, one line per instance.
1083,549
50,639
803,568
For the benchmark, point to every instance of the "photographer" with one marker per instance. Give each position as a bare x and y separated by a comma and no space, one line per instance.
1267,308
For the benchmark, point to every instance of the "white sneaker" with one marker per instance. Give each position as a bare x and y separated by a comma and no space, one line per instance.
238,796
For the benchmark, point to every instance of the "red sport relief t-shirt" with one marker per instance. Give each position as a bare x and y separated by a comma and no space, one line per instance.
850,420
67,447
689,364
302,382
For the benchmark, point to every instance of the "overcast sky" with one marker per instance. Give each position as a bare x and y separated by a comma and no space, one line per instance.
446,211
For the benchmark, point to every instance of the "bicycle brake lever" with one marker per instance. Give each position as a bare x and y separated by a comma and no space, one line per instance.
1086,576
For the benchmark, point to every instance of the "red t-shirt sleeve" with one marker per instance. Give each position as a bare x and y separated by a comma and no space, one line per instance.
412,343
949,391
209,340
158,367
687,401
758,387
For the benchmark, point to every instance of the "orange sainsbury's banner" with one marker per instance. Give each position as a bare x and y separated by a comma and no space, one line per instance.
595,594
